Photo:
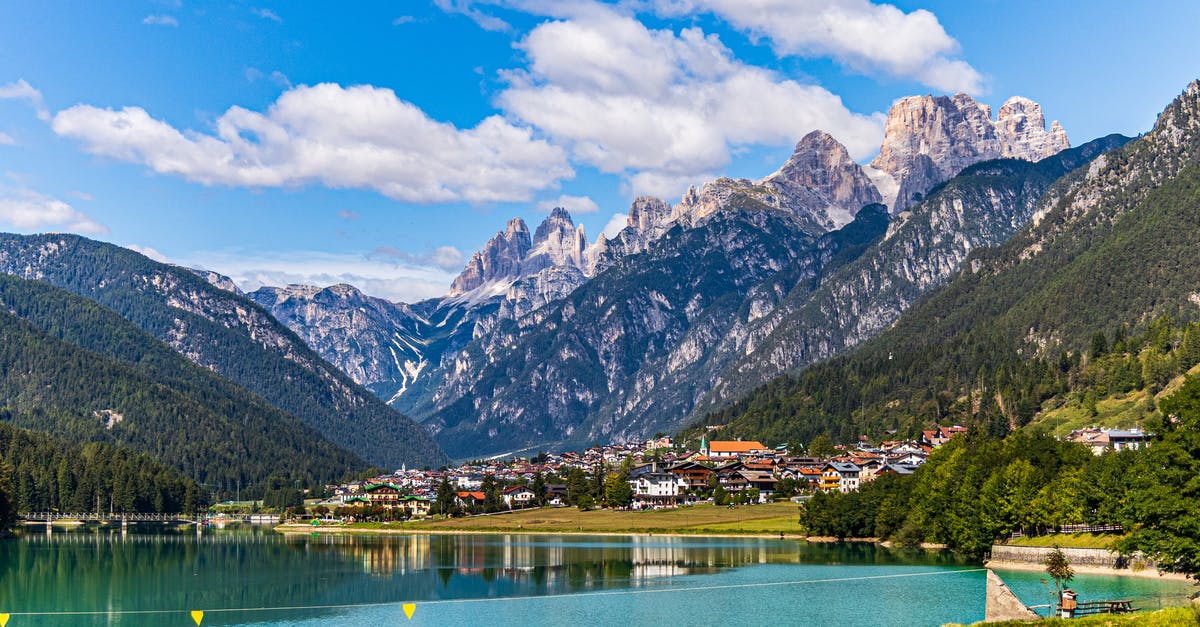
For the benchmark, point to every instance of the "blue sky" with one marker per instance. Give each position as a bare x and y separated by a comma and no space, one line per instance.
382,142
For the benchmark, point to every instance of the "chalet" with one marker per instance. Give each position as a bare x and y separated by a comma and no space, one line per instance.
382,494
732,449
869,468
415,506
693,474
940,435
518,496
556,493
840,476
764,482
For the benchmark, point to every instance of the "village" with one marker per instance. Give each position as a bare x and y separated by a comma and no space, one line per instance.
653,474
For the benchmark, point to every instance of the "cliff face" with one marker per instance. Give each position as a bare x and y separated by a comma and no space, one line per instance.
820,185
930,139
500,258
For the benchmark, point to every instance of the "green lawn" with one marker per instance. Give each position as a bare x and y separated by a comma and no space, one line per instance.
770,518
1169,617
1071,540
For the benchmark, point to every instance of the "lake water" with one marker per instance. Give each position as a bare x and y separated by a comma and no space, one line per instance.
252,576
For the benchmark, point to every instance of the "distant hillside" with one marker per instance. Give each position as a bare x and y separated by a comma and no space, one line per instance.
81,372
1112,247
227,333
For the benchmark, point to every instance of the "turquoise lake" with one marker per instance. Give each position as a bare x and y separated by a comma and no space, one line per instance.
253,576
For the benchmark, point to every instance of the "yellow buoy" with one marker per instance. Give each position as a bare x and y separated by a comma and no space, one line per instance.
3,620
409,608
197,616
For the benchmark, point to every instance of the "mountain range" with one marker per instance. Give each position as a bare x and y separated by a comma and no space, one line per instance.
1109,252
547,340
227,334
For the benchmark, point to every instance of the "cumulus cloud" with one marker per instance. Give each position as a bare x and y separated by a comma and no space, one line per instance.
615,225
340,137
574,204
868,37
381,277
21,90
27,210
160,20
660,107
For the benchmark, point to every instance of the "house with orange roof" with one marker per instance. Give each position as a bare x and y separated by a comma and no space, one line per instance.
732,449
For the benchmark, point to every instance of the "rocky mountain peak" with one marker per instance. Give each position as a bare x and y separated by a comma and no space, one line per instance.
822,164
501,257
557,242
1181,115
929,139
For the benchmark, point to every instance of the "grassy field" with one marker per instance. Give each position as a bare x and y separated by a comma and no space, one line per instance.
1170,617
1115,412
1070,540
770,518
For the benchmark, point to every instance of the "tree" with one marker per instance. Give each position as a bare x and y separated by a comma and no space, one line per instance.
539,489
444,502
617,491
1059,569
491,494
822,446
8,506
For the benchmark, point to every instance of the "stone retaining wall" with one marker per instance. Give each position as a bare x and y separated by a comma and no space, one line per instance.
1038,554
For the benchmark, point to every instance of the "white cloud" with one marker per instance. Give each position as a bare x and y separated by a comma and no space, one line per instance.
385,278
149,252
340,137
6,139
160,20
267,14
403,19
867,37
21,90
662,107
574,204
616,223
27,210
444,257
463,7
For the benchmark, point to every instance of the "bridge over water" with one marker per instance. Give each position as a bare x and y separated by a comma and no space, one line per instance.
113,517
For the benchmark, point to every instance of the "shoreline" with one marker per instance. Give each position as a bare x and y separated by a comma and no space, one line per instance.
295,529
292,529
1087,569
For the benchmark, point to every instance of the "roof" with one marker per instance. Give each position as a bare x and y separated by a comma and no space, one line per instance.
376,486
843,466
479,496
735,446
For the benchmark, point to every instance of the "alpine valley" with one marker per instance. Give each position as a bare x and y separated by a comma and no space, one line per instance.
826,297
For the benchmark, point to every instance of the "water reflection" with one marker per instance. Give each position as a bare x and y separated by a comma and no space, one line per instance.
252,567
